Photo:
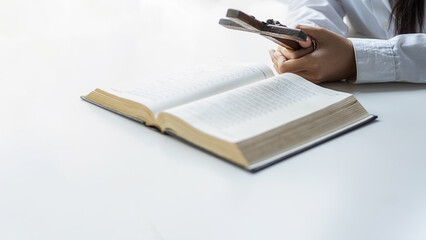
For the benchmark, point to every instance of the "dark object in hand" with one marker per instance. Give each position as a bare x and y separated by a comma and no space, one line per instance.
271,29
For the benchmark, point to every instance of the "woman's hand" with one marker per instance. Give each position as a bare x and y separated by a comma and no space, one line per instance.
332,60
307,47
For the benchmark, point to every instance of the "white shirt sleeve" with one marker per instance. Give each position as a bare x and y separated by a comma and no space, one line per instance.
399,59
320,13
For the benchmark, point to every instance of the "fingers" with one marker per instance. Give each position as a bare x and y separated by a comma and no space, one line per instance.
274,60
307,43
282,64
301,66
317,33
290,54
304,44
280,57
277,58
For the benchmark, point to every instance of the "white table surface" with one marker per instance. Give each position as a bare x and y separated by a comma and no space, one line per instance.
70,170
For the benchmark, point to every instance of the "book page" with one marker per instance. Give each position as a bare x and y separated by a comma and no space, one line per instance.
167,91
256,108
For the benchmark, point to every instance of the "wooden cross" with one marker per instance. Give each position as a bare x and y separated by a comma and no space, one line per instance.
272,30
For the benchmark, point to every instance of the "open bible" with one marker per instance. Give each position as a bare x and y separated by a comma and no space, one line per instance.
241,113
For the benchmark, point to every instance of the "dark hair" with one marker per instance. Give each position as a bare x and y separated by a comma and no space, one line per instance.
408,15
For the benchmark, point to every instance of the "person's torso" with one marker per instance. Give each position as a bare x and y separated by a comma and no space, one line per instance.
371,17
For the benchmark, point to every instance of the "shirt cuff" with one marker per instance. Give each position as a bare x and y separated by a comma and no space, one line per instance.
375,61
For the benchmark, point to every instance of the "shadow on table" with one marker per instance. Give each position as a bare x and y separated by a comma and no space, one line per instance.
374,87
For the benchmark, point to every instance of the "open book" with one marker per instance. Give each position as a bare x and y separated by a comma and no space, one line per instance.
240,113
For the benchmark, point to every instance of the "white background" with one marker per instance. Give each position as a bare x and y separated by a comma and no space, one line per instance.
70,170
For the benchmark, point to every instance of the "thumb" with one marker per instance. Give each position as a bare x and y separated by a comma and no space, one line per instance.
307,43
315,32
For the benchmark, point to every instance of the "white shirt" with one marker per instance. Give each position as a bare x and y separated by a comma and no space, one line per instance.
382,57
